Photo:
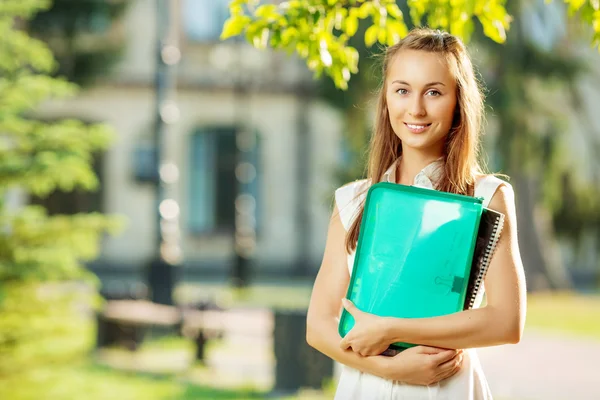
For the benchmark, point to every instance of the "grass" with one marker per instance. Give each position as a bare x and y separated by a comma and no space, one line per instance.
168,343
274,295
572,314
111,383
193,392
566,313
94,382
128,385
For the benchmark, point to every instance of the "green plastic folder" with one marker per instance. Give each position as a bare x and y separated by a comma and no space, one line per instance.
414,253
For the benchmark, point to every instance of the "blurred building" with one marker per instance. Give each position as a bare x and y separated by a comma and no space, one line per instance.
292,142
222,88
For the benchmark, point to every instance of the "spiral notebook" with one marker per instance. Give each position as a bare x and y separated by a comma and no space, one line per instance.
488,234
420,253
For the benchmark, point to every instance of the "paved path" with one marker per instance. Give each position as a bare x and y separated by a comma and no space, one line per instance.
540,367
543,366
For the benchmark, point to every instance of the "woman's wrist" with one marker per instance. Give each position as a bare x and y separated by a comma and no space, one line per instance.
391,368
384,367
390,330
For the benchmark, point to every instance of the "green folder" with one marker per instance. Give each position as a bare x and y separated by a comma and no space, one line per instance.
414,253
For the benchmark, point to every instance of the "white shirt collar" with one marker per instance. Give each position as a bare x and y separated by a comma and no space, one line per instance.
427,178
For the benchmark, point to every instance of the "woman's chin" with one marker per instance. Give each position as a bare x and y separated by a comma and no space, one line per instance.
421,142
417,144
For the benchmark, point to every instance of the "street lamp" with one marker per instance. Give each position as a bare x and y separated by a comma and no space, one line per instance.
168,255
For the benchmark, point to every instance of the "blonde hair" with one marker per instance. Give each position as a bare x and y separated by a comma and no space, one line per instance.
461,165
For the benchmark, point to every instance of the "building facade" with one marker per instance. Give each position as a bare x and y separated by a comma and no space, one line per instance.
222,88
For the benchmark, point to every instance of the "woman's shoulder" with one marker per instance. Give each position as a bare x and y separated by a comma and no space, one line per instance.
348,193
488,186
353,187
348,199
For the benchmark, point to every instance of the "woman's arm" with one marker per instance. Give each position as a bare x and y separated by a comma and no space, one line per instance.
423,365
329,288
501,321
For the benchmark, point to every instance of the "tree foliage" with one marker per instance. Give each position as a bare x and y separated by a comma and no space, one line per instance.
46,294
85,37
319,30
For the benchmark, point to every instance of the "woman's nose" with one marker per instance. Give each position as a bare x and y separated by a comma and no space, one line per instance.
417,108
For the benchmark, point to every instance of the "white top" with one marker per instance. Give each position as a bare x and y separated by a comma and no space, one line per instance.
469,383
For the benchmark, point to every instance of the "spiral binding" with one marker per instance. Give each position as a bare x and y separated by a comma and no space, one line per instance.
487,257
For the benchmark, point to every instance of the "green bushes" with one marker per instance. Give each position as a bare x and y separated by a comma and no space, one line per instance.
46,295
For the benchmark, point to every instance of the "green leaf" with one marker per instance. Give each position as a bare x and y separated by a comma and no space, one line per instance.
394,11
23,8
267,11
260,40
351,25
417,10
575,5
288,36
365,9
394,33
371,35
302,49
382,36
493,29
352,57
234,26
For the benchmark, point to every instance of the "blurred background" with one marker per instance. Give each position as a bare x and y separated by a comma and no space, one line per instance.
164,222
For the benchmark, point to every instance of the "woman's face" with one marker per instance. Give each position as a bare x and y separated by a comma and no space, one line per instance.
421,99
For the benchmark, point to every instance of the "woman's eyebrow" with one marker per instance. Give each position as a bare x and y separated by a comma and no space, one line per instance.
428,84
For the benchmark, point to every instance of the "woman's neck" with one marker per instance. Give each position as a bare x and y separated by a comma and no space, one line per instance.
411,163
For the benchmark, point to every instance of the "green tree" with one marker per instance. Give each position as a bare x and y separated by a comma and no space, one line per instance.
85,36
87,39
333,37
319,30
46,295
531,145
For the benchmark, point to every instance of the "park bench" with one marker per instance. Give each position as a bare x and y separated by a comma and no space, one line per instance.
127,322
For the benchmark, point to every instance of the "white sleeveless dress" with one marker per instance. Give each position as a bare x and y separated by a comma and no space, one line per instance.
469,383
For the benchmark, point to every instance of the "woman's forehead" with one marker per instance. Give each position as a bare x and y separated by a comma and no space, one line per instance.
419,67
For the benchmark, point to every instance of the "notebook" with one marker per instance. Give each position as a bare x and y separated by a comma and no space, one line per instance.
488,234
419,253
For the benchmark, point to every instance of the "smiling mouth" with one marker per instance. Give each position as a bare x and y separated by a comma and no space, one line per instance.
416,128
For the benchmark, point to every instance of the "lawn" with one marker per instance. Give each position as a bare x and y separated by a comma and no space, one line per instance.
569,314
565,313
107,383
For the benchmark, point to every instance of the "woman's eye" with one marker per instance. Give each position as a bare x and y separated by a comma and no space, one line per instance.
402,91
433,93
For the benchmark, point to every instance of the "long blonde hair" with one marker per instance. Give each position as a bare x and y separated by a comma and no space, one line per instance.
462,145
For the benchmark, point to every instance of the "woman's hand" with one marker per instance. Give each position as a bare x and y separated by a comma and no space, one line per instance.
367,337
424,365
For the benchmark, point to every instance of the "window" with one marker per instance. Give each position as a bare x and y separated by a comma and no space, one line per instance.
203,19
213,183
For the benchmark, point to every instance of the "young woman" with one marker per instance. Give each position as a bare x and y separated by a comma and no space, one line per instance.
429,118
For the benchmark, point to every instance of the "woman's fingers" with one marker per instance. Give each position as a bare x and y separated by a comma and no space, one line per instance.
450,372
445,375
450,367
445,356
451,363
